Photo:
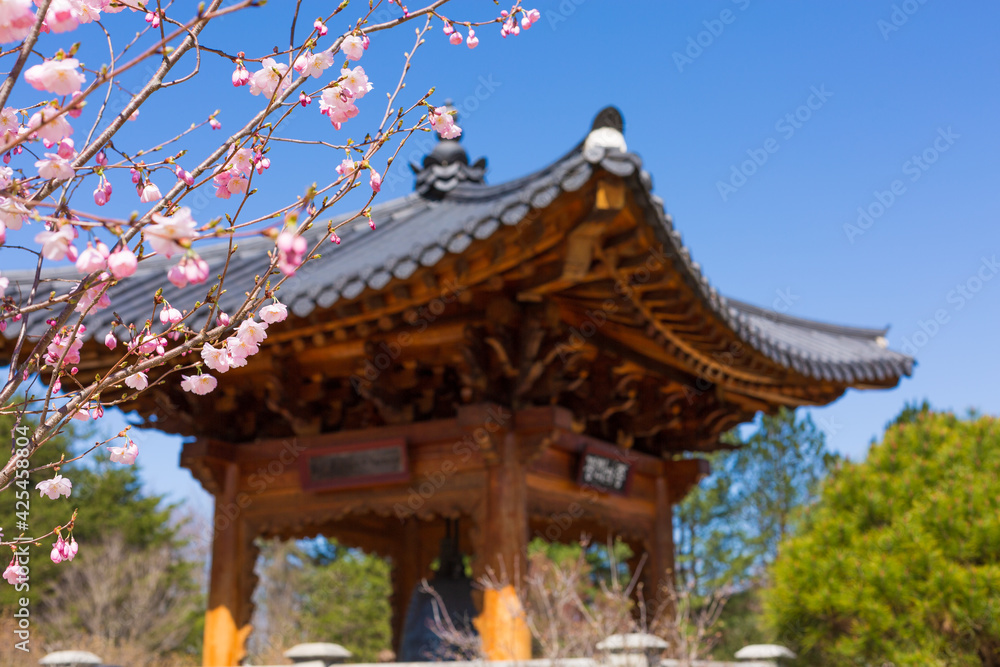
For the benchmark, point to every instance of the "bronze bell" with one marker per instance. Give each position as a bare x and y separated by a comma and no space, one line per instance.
442,604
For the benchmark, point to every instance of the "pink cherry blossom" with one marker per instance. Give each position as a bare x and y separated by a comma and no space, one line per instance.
168,233
443,121
100,197
56,76
137,381
353,47
304,99
198,384
215,124
15,574
456,38
356,81
222,319
64,344
291,252
215,358
472,41
170,315
334,238
184,176
9,125
275,312
111,343
251,331
94,299
242,161
313,64
150,193
12,213
16,19
241,76
375,181
56,555
122,263
240,348
55,167
126,454
66,150
448,29
346,167
338,104
196,269
56,244
320,27
92,258
267,79
55,487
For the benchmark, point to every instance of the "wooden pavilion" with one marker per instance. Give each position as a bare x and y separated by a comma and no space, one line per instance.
540,357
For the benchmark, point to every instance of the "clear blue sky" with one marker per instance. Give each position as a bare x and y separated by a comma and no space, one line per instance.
702,83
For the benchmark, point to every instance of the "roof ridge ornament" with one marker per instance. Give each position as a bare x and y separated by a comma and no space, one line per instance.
606,133
447,166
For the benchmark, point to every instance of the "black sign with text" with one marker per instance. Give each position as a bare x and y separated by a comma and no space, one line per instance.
605,473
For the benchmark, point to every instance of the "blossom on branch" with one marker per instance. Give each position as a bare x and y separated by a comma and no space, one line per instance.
169,234
198,384
55,487
268,78
56,76
126,454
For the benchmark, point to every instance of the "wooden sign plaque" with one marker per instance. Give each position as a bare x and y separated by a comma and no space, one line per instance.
352,466
604,472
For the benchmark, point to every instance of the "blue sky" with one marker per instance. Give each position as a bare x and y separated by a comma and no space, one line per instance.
890,108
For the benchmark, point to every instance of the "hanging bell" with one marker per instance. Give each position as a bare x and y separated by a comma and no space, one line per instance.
440,607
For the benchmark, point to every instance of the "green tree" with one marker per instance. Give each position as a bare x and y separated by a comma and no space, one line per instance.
728,529
111,506
318,590
899,561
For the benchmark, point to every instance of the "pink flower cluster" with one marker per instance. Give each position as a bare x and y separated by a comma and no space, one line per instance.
63,550
17,16
233,353
66,342
291,251
338,101
443,120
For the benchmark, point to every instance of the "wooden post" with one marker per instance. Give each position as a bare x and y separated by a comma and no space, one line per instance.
406,572
502,550
225,639
661,548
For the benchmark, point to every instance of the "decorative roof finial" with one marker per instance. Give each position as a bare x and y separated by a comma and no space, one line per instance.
446,166
606,131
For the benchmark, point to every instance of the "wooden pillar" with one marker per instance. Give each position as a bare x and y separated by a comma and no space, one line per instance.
225,629
661,547
502,551
406,572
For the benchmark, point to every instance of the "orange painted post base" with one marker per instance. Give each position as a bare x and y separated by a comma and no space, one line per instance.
224,642
502,626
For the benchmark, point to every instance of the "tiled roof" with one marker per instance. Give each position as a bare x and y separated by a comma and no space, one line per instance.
420,229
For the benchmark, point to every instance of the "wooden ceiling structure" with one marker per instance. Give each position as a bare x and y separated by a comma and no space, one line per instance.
469,360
